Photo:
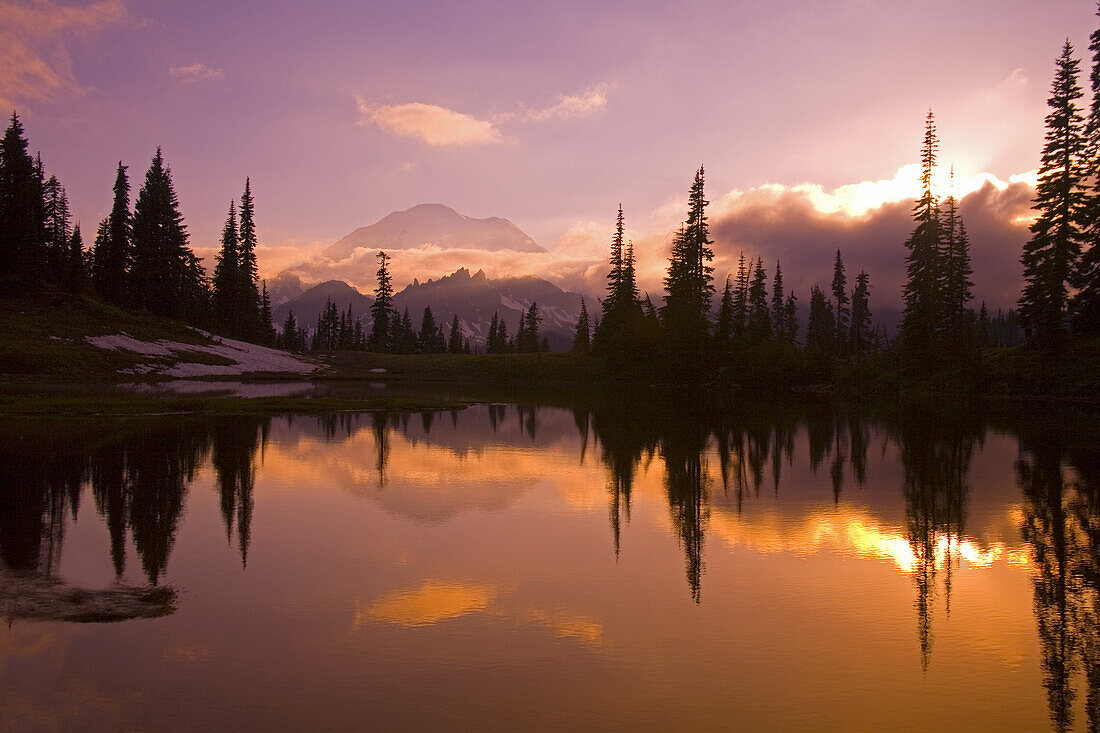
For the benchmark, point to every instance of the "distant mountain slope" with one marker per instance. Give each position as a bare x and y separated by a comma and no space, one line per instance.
474,298
308,306
434,224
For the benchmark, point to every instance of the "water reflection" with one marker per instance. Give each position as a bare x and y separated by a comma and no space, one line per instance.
892,483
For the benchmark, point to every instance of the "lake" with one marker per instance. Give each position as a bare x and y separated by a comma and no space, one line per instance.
645,562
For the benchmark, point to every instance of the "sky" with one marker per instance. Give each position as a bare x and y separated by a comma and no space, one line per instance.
807,115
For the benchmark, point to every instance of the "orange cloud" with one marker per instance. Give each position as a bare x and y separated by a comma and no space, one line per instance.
34,63
437,126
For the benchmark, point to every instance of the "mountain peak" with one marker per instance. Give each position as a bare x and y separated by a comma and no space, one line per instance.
437,225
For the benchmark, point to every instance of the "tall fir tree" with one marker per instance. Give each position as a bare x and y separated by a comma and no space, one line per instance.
956,286
821,327
1086,305
112,253
843,311
248,271
923,296
21,235
741,298
723,331
581,335
382,313
791,318
1050,256
615,273
57,232
861,338
268,333
689,282
227,278
165,277
779,311
760,325
74,270
455,343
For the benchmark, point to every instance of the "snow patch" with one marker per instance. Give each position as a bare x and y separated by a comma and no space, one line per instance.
246,357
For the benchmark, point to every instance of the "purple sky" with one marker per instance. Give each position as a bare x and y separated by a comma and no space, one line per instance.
548,114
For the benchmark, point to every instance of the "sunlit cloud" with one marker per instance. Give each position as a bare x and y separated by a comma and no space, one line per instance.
432,602
584,103
437,126
196,72
34,62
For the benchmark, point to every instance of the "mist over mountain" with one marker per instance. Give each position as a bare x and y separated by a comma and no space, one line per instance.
475,298
437,225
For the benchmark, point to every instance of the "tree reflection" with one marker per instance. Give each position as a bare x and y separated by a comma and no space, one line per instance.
1059,475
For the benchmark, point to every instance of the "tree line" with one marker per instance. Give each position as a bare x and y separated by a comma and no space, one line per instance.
140,258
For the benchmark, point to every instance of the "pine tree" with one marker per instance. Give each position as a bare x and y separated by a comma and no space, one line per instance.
74,270
112,253
268,332
581,340
491,345
57,232
21,235
289,339
615,274
248,272
956,282
760,326
779,311
455,343
821,327
723,332
741,298
840,297
1050,256
426,337
527,337
923,296
1086,304
791,319
861,336
227,278
689,282
165,277
382,315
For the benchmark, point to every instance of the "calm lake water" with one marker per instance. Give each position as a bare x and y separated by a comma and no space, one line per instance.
648,565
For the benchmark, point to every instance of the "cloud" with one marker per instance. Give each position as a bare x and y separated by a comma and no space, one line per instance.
440,127
585,103
437,126
195,72
34,63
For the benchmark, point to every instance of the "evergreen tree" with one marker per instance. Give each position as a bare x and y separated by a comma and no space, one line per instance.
1050,256
455,344
21,235
760,326
527,337
581,340
289,339
491,344
791,309
821,327
1086,303
957,284
724,331
861,338
382,314
923,291
74,271
615,274
227,278
57,232
426,337
741,298
248,272
268,332
113,251
689,282
840,297
165,277
779,311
